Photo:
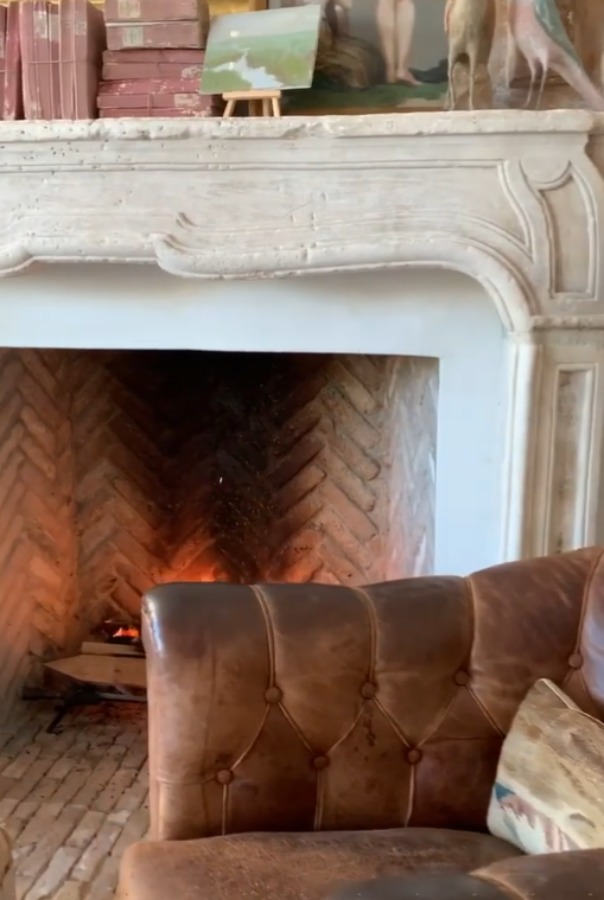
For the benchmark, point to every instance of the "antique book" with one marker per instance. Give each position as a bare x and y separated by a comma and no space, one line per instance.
126,71
164,113
155,10
151,86
61,48
157,35
13,90
2,56
81,42
39,36
173,100
184,56
25,42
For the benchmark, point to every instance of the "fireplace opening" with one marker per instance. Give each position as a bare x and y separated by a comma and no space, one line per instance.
127,468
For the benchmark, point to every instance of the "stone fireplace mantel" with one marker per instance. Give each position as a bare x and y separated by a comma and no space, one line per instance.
494,194
515,200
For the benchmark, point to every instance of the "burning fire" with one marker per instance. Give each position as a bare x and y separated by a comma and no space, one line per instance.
131,633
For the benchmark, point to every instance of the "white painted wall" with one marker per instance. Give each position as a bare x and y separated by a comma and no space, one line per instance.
419,313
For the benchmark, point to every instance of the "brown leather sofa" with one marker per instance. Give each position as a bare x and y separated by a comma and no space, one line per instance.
305,737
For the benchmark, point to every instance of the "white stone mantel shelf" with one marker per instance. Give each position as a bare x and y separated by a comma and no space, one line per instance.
513,199
492,194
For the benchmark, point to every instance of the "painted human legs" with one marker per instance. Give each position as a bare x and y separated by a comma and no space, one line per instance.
395,22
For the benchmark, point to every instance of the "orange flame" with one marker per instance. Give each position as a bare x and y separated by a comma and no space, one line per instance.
133,633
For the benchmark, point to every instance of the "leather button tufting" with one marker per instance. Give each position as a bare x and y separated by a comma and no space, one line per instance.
414,756
368,690
320,762
575,661
461,678
224,776
273,695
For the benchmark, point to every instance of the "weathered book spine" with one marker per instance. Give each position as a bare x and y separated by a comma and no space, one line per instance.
2,57
186,57
178,100
66,44
153,10
13,73
150,86
156,35
54,80
130,71
35,54
166,113
89,42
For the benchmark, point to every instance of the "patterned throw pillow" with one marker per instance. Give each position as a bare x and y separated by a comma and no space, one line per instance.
549,790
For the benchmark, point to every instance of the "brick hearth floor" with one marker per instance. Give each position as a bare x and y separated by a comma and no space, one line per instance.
72,802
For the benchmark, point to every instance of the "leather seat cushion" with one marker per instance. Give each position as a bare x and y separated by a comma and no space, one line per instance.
304,866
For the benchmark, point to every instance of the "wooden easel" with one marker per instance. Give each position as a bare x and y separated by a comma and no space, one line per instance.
260,103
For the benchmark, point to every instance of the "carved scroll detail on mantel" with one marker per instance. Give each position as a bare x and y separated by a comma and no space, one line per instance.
573,412
569,199
568,433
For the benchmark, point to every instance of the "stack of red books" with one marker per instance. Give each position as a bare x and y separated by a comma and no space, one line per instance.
154,83
155,58
61,48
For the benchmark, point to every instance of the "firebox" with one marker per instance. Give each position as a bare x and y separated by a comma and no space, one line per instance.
126,468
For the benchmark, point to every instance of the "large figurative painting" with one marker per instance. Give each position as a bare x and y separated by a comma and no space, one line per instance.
377,55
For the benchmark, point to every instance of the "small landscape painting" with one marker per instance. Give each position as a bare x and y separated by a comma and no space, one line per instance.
269,50
377,56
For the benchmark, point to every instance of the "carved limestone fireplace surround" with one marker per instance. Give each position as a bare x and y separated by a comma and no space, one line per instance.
472,240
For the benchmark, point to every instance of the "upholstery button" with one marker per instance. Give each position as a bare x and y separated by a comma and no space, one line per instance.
224,776
461,678
414,756
575,661
273,695
368,690
320,762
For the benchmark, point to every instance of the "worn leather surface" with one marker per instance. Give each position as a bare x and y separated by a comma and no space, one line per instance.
554,876
578,875
301,708
419,887
306,707
295,866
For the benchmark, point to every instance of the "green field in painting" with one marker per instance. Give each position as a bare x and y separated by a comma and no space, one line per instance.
264,61
386,96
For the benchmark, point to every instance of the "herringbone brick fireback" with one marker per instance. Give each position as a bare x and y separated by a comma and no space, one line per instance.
121,469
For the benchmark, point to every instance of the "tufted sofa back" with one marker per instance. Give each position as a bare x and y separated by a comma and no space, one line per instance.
301,707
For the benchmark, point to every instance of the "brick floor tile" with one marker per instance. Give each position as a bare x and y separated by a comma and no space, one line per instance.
103,887
115,788
20,764
72,890
96,852
54,874
24,785
73,801
87,828
134,830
